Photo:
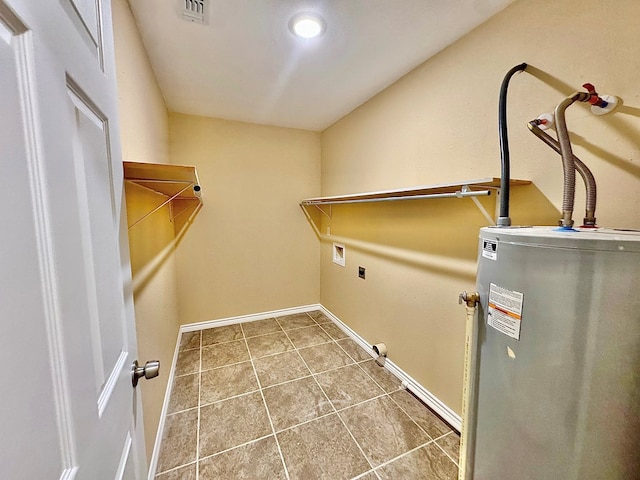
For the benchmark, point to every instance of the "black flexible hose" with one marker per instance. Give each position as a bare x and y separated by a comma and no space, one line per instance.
503,218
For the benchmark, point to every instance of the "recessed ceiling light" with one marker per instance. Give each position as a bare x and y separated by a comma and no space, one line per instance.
307,25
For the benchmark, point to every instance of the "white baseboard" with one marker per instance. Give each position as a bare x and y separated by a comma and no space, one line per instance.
408,382
191,327
448,415
153,464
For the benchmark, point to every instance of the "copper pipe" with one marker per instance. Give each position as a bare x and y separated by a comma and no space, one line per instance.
584,171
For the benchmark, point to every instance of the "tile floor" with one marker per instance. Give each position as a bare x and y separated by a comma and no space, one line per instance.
294,398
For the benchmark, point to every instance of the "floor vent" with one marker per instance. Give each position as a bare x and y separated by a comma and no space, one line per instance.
195,11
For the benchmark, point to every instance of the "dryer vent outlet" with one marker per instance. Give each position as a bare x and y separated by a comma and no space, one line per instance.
339,254
380,350
195,10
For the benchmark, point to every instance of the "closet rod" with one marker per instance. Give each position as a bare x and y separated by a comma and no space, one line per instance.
458,194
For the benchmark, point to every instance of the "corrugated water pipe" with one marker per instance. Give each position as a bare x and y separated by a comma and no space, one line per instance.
568,164
503,218
584,171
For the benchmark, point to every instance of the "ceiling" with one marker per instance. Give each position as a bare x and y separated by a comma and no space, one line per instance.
244,63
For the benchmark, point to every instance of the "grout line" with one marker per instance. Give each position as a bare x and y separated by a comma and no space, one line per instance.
411,417
433,439
311,345
305,422
287,381
243,394
445,452
324,341
176,468
353,362
180,411
315,323
313,375
255,440
293,329
345,350
332,337
184,374
202,370
218,342
354,439
266,407
373,379
276,332
335,410
273,354
402,455
377,397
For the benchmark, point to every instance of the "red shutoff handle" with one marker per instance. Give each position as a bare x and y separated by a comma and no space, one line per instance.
594,98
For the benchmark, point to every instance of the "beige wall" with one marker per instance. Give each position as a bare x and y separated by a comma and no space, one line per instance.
144,135
438,125
250,249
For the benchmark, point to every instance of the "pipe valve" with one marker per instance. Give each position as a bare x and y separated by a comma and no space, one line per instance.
594,99
470,298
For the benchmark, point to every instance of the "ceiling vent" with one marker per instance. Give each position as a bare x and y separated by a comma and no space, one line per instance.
195,10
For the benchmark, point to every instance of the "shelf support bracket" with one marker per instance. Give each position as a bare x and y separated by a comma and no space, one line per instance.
189,185
319,207
465,188
322,210
175,215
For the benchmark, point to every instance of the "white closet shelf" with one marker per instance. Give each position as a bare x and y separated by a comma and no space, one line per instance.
175,182
411,193
468,188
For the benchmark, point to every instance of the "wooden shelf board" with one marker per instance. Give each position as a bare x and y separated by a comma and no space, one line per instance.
168,180
176,183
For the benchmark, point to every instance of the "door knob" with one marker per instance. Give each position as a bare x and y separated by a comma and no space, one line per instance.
151,369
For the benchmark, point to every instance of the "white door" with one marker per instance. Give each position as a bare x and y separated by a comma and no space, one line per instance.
67,337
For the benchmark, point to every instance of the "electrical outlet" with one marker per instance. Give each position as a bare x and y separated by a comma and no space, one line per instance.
361,272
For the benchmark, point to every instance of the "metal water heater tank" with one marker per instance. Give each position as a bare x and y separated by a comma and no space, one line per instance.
556,387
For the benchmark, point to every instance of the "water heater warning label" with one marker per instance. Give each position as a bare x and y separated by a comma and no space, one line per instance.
490,249
505,310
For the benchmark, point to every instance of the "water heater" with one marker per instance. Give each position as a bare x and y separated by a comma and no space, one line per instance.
555,388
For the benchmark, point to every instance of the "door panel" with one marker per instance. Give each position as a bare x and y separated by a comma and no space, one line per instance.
94,182
85,16
66,309
25,309
87,11
126,469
